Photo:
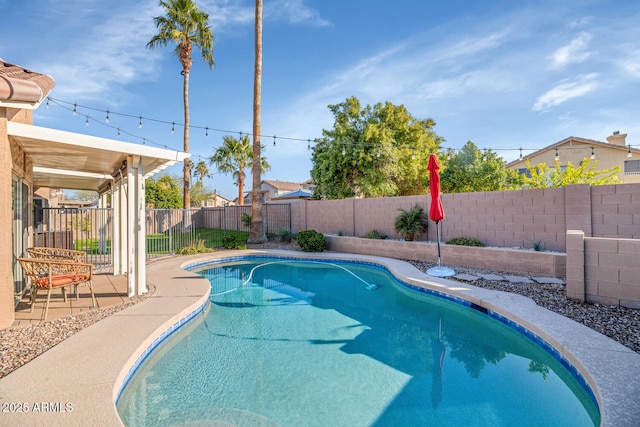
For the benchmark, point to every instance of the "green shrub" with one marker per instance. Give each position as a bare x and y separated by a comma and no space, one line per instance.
196,248
246,220
465,241
285,235
411,222
232,242
374,234
312,241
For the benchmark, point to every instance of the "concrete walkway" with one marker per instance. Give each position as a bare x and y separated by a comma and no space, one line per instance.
79,380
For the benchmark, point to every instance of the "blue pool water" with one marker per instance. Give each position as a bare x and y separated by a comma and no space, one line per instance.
295,343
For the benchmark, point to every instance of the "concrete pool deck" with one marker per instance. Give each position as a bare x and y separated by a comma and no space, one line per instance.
76,382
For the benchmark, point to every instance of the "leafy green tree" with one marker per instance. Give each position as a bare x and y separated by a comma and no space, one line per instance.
235,156
543,176
375,151
199,194
163,193
470,170
186,26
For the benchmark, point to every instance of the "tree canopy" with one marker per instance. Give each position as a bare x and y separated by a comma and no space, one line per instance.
375,151
543,176
471,170
163,193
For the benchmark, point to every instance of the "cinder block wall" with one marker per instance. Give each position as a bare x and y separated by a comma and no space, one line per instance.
499,218
612,271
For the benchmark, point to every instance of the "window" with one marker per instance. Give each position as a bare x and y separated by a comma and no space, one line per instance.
525,172
632,167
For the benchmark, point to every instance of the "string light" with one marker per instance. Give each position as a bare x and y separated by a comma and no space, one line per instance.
344,151
108,114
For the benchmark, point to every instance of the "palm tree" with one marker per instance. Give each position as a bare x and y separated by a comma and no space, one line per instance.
186,26
201,171
256,234
235,156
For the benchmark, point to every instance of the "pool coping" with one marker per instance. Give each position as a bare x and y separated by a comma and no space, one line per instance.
89,369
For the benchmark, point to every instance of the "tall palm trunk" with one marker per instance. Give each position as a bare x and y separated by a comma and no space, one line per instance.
257,234
187,163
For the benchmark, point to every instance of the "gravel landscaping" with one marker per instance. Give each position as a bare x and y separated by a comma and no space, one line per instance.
20,345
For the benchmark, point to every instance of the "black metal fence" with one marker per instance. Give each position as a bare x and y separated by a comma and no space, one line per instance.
167,230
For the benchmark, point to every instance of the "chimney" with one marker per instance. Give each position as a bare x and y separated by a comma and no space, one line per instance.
617,138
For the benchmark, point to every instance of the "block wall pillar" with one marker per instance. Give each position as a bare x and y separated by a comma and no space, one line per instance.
575,265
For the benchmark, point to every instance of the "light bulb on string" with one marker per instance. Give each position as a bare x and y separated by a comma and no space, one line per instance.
274,140
308,144
86,122
557,155
206,132
107,118
74,109
593,153
173,127
344,151
118,132
629,152
140,123
521,154
47,105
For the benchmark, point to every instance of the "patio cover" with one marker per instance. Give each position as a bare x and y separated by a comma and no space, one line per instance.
80,162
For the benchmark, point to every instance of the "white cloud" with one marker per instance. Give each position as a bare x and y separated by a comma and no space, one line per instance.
575,51
296,12
567,90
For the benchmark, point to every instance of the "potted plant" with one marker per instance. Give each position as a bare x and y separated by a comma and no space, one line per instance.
411,222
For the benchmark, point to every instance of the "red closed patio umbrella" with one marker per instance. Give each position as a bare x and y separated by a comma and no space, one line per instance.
436,212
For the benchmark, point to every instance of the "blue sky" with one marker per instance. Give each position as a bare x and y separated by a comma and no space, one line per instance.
503,74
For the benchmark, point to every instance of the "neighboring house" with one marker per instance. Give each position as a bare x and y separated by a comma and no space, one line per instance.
275,188
217,201
609,154
33,158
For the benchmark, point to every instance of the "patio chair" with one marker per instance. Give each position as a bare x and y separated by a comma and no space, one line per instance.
52,274
57,253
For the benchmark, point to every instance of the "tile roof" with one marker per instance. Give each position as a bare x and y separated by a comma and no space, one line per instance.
18,84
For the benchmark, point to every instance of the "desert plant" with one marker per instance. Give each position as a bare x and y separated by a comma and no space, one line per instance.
465,241
374,234
312,241
285,235
411,222
538,245
195,248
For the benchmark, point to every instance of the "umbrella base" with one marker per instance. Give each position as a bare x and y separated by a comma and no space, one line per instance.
440,271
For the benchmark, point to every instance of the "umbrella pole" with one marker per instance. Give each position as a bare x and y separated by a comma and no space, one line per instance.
438,239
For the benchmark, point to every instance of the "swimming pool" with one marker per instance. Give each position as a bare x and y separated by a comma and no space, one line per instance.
307,343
